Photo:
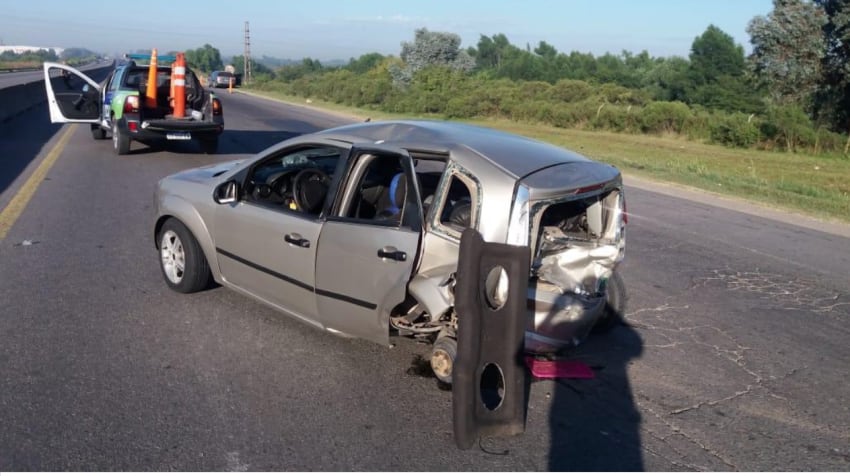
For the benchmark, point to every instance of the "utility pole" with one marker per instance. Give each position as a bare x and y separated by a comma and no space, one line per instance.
247,67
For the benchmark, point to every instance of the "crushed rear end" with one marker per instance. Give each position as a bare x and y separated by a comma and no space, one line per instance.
574,214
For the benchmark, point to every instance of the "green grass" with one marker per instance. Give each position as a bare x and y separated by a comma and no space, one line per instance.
19,65
816,185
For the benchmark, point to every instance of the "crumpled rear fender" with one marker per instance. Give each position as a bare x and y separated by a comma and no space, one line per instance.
431,290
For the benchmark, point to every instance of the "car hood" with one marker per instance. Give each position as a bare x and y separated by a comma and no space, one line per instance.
206,173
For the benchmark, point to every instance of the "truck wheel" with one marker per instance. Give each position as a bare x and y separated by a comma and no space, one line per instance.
209,145
615,305
120,142
97,132
181,259
443,356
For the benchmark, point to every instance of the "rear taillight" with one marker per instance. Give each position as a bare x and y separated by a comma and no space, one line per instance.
131,104
216,106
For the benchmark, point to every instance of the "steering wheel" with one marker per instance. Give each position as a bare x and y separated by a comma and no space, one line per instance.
309,188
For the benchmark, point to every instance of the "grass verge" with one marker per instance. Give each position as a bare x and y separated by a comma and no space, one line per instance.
817,186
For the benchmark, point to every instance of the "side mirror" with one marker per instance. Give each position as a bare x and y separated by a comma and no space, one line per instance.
228,192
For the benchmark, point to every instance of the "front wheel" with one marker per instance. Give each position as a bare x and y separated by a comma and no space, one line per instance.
120,141
443,356
181,259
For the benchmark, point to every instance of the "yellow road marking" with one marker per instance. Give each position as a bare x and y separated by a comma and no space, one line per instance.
19,202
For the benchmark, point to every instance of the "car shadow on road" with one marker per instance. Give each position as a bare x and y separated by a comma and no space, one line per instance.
22,139
251,141
595,423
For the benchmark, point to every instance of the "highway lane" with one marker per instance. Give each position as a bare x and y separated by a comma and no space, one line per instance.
735,358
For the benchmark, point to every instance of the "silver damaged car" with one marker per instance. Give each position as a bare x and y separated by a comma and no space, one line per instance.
356,229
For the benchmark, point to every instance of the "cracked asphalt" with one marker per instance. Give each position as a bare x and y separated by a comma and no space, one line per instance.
744,363
736,356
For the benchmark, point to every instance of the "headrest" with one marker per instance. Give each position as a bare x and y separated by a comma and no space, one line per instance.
398,191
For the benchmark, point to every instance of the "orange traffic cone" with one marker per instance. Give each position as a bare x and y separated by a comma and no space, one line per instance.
150,93
178,79
171,88
230,86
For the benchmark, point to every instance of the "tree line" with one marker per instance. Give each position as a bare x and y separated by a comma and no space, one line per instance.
791,93
70,56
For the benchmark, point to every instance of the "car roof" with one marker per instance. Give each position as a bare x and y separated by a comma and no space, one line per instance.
518,155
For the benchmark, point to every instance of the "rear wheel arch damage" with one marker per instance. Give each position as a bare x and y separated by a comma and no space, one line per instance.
617,299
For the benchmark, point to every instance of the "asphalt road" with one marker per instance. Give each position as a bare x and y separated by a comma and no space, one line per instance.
736,356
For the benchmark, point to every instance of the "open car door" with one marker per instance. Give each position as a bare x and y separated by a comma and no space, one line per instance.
71,95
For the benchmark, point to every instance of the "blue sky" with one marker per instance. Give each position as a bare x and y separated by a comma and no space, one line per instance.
338,29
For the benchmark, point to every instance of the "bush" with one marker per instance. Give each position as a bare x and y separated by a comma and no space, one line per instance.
828,141
573,115
462,107
567,103
570,90
616,94
735,130
663,116
789,126
533,90
616,118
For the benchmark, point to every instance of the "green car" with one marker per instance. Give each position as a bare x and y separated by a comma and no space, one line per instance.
118,106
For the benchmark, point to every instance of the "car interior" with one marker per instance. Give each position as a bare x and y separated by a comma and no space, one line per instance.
75,97
300,181
296,181
381,193
457,212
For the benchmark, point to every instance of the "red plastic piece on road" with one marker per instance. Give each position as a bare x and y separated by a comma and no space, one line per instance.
552,369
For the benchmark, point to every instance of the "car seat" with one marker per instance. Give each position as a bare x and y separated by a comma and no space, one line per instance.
461,213
397,196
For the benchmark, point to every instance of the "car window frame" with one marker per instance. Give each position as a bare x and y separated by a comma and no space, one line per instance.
454,170
248,172
352,177
114,81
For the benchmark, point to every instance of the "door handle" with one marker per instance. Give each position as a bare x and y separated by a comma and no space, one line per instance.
297,240
390,252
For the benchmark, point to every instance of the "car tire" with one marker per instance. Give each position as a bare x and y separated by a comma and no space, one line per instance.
97,132
443,356
615,305
209,145
179,248
120,141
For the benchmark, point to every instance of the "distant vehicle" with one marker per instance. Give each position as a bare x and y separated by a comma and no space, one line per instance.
118,106
221,79
357,230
